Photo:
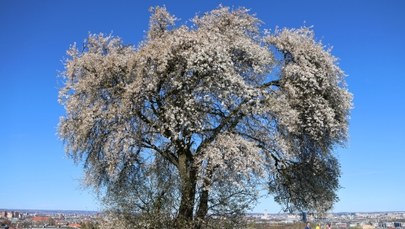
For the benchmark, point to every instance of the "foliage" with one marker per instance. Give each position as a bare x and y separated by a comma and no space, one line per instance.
196,119
89,225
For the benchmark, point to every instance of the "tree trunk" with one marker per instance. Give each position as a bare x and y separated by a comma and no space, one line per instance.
203,204
188,185
202,209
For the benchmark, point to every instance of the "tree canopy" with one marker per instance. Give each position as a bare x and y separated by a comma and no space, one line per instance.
196,119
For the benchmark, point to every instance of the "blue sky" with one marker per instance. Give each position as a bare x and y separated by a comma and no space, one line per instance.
367,36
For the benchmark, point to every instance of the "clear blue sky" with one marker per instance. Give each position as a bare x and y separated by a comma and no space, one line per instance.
367,36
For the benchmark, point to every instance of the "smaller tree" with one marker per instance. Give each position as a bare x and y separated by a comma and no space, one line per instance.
154,202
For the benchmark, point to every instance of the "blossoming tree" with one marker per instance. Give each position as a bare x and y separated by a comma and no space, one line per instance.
197,119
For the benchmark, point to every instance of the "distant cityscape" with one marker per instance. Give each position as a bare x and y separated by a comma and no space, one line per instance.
343,220
20,218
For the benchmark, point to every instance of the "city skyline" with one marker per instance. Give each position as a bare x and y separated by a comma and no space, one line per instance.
367,37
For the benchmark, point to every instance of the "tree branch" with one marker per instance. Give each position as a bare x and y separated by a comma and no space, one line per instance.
271,83
165,153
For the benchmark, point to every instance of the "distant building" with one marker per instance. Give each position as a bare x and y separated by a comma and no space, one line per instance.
341,225
382,225
367,226
75,225
10,215
40,219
